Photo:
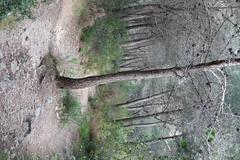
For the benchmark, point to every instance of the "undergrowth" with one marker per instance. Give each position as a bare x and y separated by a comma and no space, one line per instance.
102,40
71,107
15,10
102,138
20,9
3,156
102,44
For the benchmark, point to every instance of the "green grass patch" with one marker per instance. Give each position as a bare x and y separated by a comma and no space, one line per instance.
84,147
3,156
210,134
112,94
8,22
71,107
84,10
16,8
110,139
102,44
103,39
183,144
12,11
75,61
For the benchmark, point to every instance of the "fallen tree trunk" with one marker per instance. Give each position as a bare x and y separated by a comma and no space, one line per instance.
141,100
66,82
126,119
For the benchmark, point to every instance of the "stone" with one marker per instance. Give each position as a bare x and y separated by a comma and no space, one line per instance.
49,100
38,112
14,66
6,82
2,66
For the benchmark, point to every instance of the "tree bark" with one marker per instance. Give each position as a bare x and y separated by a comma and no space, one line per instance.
66,82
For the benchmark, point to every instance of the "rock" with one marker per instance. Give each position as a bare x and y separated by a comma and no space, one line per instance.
6,82
49,100
2,66
14,66
38,112
13,155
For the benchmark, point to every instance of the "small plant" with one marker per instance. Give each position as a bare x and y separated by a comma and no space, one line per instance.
71,107
210,134
3,156
183,144
84,148
55,157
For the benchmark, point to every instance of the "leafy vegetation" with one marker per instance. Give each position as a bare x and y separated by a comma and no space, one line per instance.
19,9
102,44
3,156
15,10
103,38
184,144
211,134
101,137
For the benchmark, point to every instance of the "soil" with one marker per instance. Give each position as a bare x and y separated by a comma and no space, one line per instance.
29,121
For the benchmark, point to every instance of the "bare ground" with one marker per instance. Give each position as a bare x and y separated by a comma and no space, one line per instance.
28,106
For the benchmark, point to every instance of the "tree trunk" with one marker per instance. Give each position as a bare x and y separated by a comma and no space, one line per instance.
163,138
141,100
156,140
148,115
66,82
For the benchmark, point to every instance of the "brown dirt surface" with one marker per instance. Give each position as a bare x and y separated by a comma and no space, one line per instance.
28,105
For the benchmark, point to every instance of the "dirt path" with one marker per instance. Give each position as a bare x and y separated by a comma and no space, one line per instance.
28,121
49,136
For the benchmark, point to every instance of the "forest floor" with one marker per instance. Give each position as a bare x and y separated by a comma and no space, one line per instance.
29,121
